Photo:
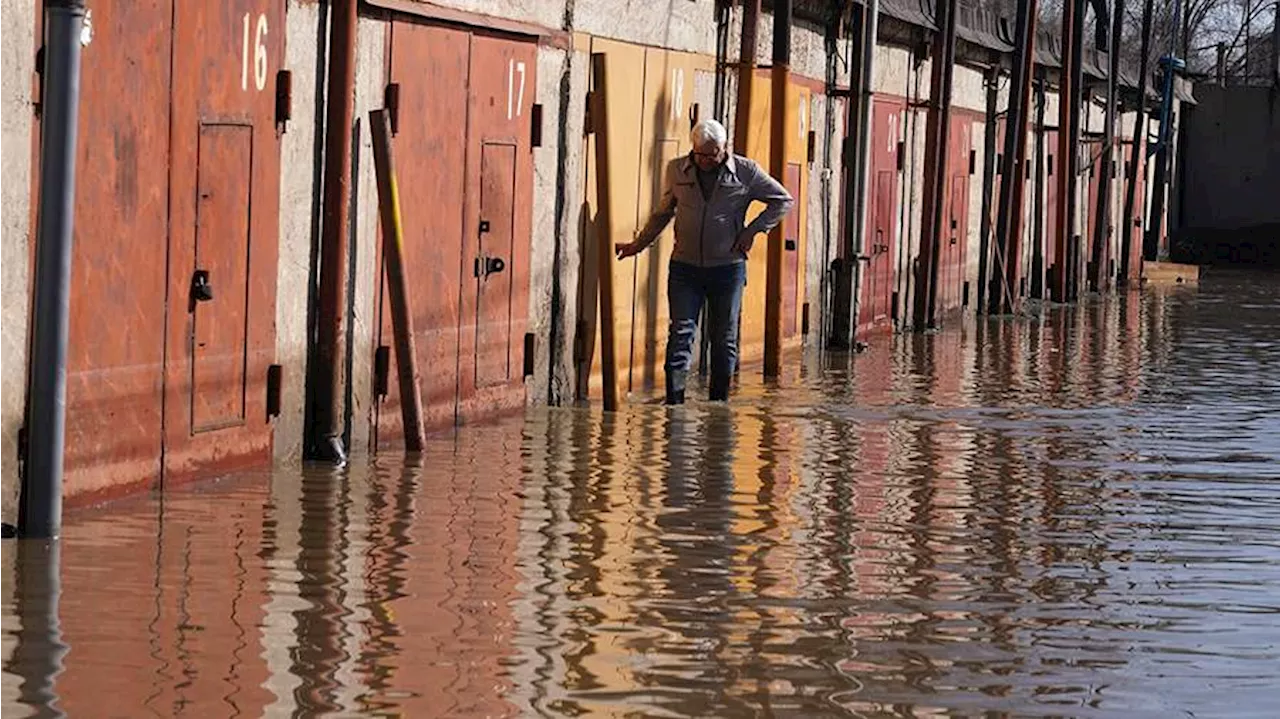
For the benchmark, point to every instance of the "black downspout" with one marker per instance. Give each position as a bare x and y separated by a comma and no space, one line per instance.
843,323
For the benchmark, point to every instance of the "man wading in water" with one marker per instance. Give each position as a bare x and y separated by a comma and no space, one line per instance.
708,193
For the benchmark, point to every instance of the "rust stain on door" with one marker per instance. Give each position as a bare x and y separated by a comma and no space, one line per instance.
791,256
494,285
115,344
500,95
225,170
430,64
219,293
875,310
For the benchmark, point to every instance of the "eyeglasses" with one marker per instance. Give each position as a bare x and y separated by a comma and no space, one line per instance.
706,155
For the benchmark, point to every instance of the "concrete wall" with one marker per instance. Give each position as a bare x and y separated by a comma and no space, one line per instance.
301,159
547,13
687,25
562,90
17,25
363,269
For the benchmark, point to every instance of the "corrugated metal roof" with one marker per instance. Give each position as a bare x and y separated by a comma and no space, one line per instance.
909,11
986,29
981,27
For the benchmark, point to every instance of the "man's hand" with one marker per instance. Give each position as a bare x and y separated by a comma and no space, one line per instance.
626,249
746,239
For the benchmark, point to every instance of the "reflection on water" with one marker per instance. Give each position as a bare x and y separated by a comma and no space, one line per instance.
1076,515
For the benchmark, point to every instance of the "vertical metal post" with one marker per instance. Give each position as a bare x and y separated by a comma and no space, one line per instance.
1071,163
397,283
1037,202
991,80
1156,221
746,73
1009,220
604,228
1137,153
326,425
856,143
937,139
778,126
41,511
1102,230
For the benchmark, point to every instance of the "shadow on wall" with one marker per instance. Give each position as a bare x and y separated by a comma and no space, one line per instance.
1257,246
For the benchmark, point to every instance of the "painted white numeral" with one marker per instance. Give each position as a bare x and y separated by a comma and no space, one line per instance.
259,55
515,95
677,93
893,132
244,56
800,118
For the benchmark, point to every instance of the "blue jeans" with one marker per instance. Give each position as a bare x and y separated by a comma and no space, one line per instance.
688,287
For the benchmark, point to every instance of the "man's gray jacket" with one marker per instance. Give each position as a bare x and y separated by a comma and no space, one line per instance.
706,230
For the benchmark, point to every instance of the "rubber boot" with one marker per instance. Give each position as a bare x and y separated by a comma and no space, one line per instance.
675,386
719,390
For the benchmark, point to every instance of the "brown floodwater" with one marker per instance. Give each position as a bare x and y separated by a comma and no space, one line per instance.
1075,513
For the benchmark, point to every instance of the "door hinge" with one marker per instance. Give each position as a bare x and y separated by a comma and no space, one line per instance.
37,80
529,346
804,319
810,150
391,101
535,125
284,98
973,161
275,377
381,370
901,151
588,117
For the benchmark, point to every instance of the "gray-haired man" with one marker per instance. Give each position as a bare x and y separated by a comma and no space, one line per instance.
708,193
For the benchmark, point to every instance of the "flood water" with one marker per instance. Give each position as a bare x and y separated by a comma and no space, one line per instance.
1073,514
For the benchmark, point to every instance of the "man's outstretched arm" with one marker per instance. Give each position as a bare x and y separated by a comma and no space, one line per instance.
657,222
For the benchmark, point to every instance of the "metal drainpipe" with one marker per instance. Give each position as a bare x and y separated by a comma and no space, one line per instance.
779,126
832,47
40,511
1009,221
325,442
867,91
1037,250
937,134
746,69
1103,227
991,81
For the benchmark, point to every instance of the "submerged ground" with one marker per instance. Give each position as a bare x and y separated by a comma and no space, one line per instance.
1071,513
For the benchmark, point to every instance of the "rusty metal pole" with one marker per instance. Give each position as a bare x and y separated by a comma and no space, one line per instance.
1071,163
397,283
780,120
1009,220
1066,178
1103,228
937,134
1137,154
604,228
746,73
326,426
40,513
